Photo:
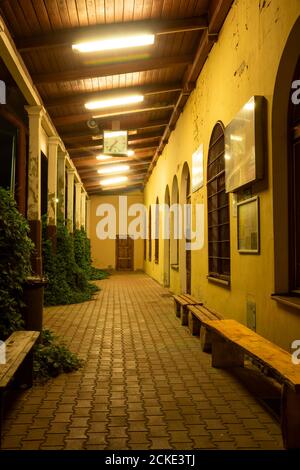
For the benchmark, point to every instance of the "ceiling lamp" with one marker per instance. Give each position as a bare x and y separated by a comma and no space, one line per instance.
109,44
103,157
112,102
113,169
114,181
130,153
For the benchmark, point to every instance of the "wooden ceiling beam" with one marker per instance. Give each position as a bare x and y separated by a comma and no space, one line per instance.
82,98
75,152
74,118
117,68
67,37
85,162
217,15
133,139
75,137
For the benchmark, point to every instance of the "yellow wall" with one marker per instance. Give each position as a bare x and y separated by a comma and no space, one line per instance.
243,63
104,251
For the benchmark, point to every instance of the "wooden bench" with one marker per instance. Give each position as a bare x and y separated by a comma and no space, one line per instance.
181,303
231,340
18,365
198,315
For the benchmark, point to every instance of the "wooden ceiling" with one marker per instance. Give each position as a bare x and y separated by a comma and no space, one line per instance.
166,73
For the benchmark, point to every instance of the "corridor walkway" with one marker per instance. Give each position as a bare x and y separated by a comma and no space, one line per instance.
145,384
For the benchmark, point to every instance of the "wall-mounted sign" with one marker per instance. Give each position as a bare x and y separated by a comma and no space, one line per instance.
244,145
248,225
197,169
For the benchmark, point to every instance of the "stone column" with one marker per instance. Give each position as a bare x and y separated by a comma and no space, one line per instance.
34,184
78,205
61,184
88,215
70,199
83,209
52,190
33,294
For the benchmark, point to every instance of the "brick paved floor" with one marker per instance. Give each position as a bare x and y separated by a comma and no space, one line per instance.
145,384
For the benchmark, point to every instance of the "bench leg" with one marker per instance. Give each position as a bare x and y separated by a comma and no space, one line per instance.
205,339
24,376
194,325
177,309
184,315
290,418
1,414
225,354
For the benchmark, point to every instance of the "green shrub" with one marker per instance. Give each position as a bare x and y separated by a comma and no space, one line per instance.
15,267
68,280
82,247
52,357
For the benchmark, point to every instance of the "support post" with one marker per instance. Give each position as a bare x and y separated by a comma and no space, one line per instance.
53,143
78,205
70,199
88,215
61,183
83,209
34,184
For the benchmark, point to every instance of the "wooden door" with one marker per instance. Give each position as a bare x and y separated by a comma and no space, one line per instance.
124,254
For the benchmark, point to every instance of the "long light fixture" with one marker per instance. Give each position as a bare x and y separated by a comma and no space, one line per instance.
137,40
114,181
130,153
112,102
103,157
113,169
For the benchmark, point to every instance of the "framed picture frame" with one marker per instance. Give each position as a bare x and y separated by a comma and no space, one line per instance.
198,169
248,226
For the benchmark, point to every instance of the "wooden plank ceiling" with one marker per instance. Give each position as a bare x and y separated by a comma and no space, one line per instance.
44,31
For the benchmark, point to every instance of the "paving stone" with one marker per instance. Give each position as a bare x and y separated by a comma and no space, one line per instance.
145,383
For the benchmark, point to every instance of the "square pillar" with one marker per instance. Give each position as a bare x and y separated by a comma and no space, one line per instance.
88,215
34,184
78,205
52,180
83,209
70,199
61,184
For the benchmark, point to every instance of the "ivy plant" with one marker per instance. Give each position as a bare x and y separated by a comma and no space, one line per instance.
15,252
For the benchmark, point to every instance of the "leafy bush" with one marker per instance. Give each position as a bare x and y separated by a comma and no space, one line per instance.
82,247
52,357
15,267
68,282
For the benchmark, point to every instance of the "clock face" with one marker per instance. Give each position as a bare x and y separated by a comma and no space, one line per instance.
115,142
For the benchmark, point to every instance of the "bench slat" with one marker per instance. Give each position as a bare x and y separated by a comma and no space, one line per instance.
273,356
18,346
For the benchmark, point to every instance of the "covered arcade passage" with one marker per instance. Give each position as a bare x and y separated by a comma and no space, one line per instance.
154,144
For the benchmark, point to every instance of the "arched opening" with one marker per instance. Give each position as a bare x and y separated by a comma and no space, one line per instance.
174,229
218,208
156,243
285,160
185,254
167,238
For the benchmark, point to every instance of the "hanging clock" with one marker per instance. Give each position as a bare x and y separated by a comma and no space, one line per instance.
115,142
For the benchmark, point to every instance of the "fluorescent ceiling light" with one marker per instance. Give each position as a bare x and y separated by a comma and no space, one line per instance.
130,153
110,134
111,181
236,138
119,101
103,157
108,44
113,169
